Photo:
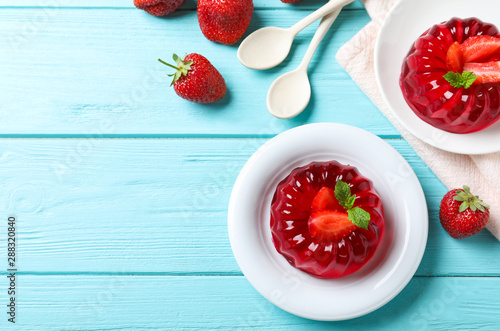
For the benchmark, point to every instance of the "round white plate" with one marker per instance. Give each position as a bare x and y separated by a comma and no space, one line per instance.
407,20
395,261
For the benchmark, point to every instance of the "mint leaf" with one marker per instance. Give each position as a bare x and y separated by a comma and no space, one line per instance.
468,78
465,80
350,202
453,78
342,193
359,217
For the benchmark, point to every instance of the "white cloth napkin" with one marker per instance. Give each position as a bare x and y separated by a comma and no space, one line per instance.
481,173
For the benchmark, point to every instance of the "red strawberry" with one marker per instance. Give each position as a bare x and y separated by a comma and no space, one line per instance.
325,199
224,21
290,1
196,79
159,7
462,214
454,58
479,48
330,225
486,72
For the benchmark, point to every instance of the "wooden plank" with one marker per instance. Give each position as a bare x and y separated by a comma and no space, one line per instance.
188,5
202,302
160,206
80,72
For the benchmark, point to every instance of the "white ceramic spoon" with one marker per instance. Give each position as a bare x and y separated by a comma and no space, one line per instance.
289,94
267,47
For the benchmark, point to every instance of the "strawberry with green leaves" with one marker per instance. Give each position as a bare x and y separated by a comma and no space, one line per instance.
224,21
463,214
159,7
196,79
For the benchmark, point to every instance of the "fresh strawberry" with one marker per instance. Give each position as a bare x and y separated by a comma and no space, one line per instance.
462,214
224,21
330,225
325,199
486,72
454,58
479,48
159,7
196,79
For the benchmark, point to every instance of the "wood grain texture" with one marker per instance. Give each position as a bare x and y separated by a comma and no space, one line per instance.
160,206
79,71
230,302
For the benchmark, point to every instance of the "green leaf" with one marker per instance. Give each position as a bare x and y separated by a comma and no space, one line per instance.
485,205
350,201
465,80
342,193
463,206
469,78
452,78
359,217
458,198
176,58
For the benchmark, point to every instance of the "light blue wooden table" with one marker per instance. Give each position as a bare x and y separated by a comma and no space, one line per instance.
120,188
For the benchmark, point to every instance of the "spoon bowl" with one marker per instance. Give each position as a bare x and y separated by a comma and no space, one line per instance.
265,48
289,94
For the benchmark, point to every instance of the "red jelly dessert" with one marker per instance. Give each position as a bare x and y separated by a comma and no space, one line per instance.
451,76
326,219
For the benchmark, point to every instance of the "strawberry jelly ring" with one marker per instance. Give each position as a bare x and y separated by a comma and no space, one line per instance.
431,97
291,209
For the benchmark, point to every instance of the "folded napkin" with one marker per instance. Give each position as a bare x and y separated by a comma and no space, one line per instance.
480,172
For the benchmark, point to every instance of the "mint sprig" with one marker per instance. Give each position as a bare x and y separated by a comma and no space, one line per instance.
357,215
465,79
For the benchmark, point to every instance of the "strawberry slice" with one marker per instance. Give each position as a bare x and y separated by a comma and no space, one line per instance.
330,225
479,48
454,58
486,72
325,199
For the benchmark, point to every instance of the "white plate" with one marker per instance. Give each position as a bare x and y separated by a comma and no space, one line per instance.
407,20
395,261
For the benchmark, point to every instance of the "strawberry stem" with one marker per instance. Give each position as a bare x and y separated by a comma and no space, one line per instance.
168,64
469,200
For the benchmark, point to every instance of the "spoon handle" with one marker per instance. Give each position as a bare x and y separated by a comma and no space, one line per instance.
323,28
327,8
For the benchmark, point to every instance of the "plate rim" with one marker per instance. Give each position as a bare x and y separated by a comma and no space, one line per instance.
411,268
